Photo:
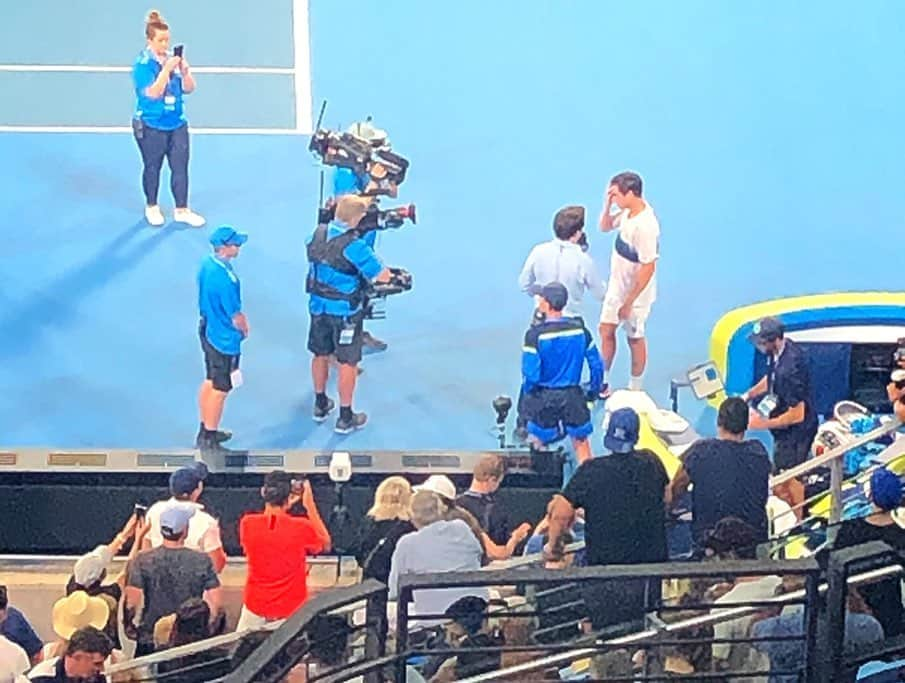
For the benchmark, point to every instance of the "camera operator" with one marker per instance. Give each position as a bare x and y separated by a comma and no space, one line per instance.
896,392
553,357
341,267
563,259
347,181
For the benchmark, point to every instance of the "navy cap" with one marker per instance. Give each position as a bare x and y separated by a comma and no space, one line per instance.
556,295
622,431
186,479
227,236
767,329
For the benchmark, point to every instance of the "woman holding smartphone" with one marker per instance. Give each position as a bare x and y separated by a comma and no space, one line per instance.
160,126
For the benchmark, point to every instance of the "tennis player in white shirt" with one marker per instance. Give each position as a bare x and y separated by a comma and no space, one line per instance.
632,287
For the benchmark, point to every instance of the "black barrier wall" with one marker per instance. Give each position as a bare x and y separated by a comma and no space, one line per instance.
70,513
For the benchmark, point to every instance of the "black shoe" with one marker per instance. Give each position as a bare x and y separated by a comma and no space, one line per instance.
217,436
357,421
371,342
520,436
320,414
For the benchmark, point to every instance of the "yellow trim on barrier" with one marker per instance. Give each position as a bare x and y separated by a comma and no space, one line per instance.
728,325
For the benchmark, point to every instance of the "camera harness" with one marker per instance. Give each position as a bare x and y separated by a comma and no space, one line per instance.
324,251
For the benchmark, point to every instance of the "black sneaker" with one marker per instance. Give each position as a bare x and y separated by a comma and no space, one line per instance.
348,426
372,343
520,436
320,414
212,437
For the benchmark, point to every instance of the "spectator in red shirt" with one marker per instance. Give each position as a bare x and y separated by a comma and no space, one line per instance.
276,545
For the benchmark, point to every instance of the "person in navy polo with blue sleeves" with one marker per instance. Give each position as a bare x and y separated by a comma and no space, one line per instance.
222,329
341,266
159,124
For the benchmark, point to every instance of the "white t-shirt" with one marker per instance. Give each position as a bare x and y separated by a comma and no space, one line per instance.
13,660
204,530
641,233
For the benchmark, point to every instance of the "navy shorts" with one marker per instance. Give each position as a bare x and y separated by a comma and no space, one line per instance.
555,413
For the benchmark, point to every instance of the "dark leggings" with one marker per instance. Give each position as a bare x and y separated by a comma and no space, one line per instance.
155,144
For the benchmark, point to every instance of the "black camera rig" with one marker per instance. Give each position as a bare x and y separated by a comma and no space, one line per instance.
376,294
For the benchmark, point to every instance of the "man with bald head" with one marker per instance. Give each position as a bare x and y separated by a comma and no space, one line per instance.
341,265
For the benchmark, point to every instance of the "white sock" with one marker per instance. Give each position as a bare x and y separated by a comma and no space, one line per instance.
634,384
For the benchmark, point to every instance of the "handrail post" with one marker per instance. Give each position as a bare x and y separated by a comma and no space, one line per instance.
402,631
376,632
812,609
836,480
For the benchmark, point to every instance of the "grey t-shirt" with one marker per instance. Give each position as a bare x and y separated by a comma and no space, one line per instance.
168,577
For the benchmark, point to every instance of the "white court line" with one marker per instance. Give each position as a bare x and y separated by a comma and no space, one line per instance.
85,68
302,58
128,129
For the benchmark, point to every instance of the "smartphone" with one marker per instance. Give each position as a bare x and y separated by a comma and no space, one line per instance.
177,51
139,510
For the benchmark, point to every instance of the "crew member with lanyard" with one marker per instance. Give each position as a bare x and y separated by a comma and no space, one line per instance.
783,402
633,286
553,357
222,329
347,181
341,264
563,259
159,125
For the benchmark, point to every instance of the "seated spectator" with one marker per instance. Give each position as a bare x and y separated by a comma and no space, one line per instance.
72,613
90,570
165,577
884,598
386,522
468,628
186,487
438,545
734,539
729,475
14,627
781,636
481,501
81,662
276,545
445,490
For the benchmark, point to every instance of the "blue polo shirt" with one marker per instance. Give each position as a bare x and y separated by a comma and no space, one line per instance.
346,181
359,254
165,113
219,299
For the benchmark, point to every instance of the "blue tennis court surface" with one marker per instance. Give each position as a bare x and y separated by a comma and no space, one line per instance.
771,148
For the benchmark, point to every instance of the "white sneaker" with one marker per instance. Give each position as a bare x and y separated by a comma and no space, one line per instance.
154,216
188,216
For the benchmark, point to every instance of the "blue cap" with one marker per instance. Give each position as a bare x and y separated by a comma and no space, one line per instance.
228,236
174,519
885,489
766,329
556,295
622,431
186,479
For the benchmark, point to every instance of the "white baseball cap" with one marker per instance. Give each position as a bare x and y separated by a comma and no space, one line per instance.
439,484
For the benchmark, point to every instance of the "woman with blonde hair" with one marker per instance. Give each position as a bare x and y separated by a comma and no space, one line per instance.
387,521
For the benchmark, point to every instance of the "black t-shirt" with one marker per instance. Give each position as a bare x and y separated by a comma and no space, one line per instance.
109,590
623,498
791,383
884,597
730,479
376,545
168,577
489,512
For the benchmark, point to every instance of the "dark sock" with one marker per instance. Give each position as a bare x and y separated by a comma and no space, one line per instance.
345,413
320,400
